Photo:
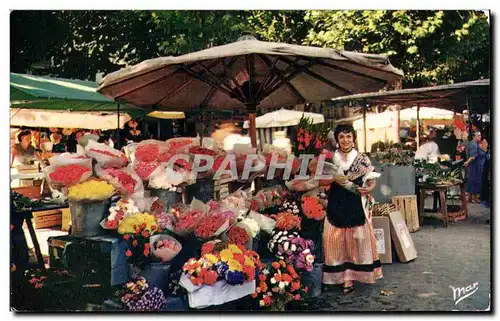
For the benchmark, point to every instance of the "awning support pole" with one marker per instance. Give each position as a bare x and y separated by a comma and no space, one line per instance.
418,125
398,126
469,115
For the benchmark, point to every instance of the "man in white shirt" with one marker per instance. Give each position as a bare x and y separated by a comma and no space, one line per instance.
430,150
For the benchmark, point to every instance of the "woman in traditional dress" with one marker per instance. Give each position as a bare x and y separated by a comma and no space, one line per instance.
474,164
348,239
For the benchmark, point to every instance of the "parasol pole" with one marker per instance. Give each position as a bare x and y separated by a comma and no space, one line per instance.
364,124
118,125
418,125
251,109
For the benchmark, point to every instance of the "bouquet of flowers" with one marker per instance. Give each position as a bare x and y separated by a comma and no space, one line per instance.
138,250
268,201
213,224
69,174
105,155
117,212
186,219
91,190
165,247
222,261
165,220
136,295
277,285
68,169
313,208
290,205
286,221
131,224
310,137
238,235
292,248
125,180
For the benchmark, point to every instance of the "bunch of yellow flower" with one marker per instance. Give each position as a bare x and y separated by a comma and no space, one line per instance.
131,223
91,190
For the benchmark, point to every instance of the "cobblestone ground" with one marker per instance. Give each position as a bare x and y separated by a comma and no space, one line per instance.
456,256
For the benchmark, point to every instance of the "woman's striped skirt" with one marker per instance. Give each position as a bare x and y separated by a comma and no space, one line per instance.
350,254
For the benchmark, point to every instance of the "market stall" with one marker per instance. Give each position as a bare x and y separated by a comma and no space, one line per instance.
280,121
201,250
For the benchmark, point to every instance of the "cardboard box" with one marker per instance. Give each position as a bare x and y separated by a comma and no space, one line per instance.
405,248
382,231
66,219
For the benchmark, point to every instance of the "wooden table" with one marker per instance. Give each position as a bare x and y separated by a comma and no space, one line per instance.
19,217
443,210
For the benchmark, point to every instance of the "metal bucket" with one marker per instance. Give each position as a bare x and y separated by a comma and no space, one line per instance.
202,190
86,217
314,280
168,197
155,273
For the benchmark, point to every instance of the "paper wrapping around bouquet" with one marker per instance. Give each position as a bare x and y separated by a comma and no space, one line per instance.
202,296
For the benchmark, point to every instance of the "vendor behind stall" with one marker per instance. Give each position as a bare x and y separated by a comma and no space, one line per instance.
23,155
428,151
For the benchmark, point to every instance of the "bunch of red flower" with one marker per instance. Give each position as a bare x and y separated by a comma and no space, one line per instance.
287,221
237,235
68,175
312,208
144,169
147,153
138,246
277,285
188,221
209,225
108,153
125,180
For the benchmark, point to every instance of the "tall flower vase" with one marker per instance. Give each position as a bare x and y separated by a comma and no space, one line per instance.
280,304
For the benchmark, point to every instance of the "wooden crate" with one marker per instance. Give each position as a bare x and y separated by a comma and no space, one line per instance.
45,219
407,205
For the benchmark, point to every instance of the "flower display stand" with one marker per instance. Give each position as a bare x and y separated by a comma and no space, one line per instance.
100,259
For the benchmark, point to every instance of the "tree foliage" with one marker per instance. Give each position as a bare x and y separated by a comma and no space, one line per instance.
432,47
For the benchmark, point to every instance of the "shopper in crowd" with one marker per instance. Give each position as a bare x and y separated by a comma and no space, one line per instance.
474,164
132,132
59,146
348,239
23,152
485,183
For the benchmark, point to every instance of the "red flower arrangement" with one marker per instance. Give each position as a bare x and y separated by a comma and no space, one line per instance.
237,235
125,180
310,137
144,169
147,153
188,221
287,221
312,208
209,225
68,175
